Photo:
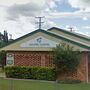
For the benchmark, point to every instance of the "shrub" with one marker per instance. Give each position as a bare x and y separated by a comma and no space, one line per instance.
65,58
2,59
30,73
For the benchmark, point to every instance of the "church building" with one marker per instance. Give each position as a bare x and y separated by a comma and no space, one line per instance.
35,49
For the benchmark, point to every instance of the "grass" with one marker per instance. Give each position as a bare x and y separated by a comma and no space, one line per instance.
9,84
37,85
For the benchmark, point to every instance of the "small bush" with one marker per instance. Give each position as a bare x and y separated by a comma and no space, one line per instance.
30,73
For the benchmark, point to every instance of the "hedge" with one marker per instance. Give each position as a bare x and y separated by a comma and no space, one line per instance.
22,72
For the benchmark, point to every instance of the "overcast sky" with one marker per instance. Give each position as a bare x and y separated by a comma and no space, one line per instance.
18,16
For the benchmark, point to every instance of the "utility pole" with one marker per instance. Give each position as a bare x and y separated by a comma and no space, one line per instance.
71,29
40,21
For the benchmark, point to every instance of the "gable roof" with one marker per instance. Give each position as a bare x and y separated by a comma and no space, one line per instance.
53,35
71,33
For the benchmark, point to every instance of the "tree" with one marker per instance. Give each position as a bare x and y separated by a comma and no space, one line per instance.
4,39
5,36
2,43
66,59
2,58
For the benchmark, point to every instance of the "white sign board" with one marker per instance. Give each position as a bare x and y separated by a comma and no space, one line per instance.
10,59
39,42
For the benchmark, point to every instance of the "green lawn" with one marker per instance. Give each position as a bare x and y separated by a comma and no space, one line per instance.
37,85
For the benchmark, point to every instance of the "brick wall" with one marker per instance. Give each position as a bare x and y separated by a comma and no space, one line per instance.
89,66
42,59
81,73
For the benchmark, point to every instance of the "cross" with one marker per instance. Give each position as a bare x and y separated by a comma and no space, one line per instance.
40,21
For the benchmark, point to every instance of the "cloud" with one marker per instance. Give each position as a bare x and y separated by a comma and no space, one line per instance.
18,16
85,34
48,24
85,18
69,28
11,2
86,27
31,8
52,4
81,4
70,15
20,27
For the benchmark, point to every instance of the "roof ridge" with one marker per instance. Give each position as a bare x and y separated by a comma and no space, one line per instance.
70,39
72,33
52,34
20,38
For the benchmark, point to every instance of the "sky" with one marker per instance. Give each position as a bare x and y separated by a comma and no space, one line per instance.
17,17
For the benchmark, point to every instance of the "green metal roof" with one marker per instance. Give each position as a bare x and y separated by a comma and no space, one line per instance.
71,33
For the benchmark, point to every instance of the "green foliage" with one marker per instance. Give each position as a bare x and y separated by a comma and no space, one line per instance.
65,58
2,58
2,43
30,72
